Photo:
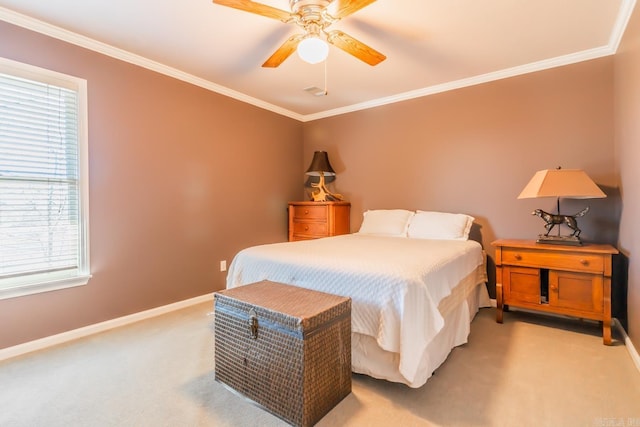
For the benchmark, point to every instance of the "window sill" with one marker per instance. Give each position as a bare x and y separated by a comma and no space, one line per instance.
45,286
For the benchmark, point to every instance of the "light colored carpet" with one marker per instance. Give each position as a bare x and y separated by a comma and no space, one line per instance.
529,371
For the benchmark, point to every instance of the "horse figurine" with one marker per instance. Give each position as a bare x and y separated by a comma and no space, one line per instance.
551,220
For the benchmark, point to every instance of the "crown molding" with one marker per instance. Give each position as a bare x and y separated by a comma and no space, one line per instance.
50,30
626,9
470,81
33,24
624,14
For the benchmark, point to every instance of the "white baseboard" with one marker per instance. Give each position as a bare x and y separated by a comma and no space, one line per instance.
42,343
28,347
633,352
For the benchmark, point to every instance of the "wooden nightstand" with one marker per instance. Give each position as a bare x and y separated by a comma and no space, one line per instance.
568,280
312,220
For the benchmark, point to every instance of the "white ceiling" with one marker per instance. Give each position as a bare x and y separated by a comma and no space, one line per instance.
431,46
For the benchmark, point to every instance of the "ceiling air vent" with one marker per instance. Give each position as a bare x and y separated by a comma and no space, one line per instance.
315,91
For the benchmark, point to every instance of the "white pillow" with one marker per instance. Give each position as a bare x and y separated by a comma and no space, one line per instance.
386,222
440,225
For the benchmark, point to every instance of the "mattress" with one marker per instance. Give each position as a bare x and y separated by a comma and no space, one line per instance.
396,284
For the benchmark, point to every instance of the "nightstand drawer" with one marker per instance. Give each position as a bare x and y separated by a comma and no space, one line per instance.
549,259
309,212
310,228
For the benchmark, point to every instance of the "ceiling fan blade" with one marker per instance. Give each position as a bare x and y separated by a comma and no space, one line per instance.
355,47
338,9
257,8
283,51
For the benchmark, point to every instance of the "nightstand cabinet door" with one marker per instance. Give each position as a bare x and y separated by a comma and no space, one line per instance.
313,220
578,292
521,284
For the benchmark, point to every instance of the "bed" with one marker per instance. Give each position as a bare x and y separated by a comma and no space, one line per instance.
413,296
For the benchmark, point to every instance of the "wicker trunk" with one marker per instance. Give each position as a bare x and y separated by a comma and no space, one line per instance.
284,347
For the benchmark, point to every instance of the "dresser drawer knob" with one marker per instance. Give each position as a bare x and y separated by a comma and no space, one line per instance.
584,262
306,228
518,257
306,211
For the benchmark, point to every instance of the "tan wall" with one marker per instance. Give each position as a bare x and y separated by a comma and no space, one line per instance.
627,108
180,178
474,149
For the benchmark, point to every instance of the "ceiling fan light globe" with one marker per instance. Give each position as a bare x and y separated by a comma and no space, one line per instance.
313,50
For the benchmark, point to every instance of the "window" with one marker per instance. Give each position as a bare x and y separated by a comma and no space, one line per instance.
44,242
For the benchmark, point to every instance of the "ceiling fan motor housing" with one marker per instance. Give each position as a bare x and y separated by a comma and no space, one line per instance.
296,5
310,11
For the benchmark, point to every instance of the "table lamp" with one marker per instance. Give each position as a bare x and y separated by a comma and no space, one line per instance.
320,167
567,183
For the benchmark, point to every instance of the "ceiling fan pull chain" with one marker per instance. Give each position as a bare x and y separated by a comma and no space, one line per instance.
325,77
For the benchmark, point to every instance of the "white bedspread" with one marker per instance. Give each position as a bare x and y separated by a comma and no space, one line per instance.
395,283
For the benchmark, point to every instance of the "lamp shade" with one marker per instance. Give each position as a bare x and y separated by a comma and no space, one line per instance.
320,163
567,183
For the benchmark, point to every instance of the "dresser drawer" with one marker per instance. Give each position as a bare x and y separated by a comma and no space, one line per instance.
315,213
550,259
310,229
313,220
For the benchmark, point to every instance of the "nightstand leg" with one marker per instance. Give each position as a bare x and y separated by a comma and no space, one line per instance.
606,332
606,321
499,303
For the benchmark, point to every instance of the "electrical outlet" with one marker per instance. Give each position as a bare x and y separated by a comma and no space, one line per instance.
223,265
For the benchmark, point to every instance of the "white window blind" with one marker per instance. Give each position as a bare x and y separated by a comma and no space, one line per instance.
43,233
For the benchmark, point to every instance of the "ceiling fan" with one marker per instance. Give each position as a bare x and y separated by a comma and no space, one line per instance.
313,16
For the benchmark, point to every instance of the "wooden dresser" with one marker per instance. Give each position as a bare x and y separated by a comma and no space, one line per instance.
312,220
568,280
